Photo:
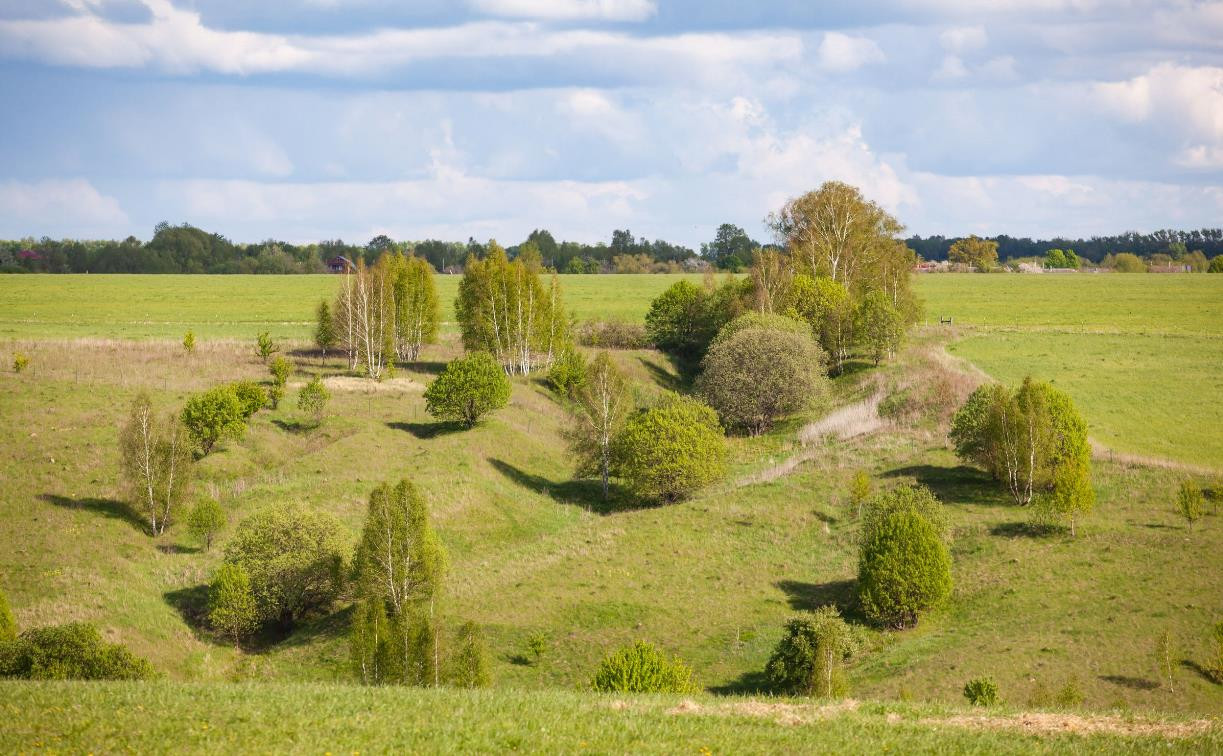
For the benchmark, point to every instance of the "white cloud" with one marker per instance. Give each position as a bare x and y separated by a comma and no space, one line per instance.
841,52
963,39
1184,102
952,68
58,205
568,10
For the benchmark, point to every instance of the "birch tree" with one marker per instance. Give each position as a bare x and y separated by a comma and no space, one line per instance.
603,403
365,309
156,463
416,307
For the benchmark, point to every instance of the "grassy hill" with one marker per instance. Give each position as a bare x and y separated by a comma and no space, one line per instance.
277,718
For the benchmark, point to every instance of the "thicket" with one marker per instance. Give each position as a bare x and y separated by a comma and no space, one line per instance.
642,668
73,651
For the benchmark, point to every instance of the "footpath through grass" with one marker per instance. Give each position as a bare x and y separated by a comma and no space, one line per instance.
263,718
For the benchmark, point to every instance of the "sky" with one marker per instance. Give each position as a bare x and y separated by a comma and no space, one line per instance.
302,120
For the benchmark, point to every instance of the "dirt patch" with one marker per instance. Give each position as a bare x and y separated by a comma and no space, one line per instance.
1052,723
850,421
785,714
366,386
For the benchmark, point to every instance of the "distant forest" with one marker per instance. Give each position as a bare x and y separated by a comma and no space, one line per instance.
187,249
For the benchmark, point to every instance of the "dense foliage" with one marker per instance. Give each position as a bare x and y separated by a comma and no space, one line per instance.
213,416
809,657
642,668
294,558
668,451
904,566
74,651
467,389
684,319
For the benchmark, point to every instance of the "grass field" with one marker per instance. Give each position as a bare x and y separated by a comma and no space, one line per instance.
159,717
532,551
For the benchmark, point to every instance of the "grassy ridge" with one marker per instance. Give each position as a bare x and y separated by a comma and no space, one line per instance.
158,717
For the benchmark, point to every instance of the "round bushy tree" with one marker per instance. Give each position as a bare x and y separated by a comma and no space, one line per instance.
760,374
808,659
212,416
205,519
469,388
74,651
251,396
767,320
568,371
231,605
904,566
294,558
668,451
313,399
642,668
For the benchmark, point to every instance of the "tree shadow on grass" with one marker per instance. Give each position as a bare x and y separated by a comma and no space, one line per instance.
429,430
1133,683
316,628
753,683
429,367
1027,530
298,427
955,485
518,660
663,377
177,548
191,603
807,597
110,508
587,494
1202,671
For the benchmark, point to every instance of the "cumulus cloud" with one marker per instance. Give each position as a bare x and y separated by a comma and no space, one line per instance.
841,52
58,206
567,10
962,39
1185,101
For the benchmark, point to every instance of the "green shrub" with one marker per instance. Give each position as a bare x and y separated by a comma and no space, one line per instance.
668,451
232,611
470,665
642,668
612,334
265,347
69,652
1069,695
757,375
468,389
206,520
808,660
1189,502
251,396
684,319
981,691
568,371
537,644
20,362
294,558
1128,262
275,394
8,625
859,491
879,326
766,320
213,416
189,342
280,368
904,566
313,399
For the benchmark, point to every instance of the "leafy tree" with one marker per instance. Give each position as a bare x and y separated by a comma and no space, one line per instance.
684,319
399,566
731,248
74,651
1165,657
1126,262
503,308
470,665
265,347
20,362
232,610
537,644
859,491
568,372
364,316
825,304
206,520
759,375
1189,501
1216,264
294,558
189,342
808,659
1055,258
603,403
8,625
469,388
313,399
670,450
981,691
980,253
155,460
416,307
879,326
325,336
251,397
904,566
280,368
642,668
213,416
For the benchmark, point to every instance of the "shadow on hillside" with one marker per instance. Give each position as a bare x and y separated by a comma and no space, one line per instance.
177,548
1133,683
752,683
429,430
192,605
854,365
587,494
663,377
326,627
430,367
807,597
954,485
1202,671
110,508
297,427
1027,530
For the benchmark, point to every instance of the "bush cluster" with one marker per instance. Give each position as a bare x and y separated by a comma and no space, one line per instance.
74,651
642,668
612,334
